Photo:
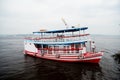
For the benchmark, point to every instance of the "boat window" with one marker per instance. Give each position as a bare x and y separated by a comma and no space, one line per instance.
77,48
64,48
68,49
37,45
50,50
83,45
72,45
45,46
80,45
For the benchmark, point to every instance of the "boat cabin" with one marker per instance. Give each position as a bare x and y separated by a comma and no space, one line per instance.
67,41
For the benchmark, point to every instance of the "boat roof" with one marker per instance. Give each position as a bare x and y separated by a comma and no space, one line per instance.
64,30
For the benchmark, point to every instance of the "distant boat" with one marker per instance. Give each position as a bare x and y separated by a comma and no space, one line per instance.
67,45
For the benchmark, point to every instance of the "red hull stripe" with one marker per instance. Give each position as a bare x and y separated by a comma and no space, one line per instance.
64,58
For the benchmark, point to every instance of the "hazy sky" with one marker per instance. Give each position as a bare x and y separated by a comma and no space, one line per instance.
26,16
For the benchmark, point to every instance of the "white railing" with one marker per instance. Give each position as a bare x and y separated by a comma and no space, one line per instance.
61,40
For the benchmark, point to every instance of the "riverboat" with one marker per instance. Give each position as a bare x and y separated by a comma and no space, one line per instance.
65,45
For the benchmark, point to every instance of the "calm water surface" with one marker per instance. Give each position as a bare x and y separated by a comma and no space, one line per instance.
15,66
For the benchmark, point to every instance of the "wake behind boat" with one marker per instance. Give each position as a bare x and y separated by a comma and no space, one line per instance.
67,45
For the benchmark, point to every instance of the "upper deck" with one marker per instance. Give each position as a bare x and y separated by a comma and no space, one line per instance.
60,36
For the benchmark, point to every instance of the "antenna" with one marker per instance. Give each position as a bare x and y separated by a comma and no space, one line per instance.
65,23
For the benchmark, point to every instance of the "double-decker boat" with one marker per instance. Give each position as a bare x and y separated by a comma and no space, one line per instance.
67,45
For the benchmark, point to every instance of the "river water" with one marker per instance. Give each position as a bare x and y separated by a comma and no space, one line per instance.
15,66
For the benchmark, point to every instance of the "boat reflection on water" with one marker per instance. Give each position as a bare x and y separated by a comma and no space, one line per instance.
45,70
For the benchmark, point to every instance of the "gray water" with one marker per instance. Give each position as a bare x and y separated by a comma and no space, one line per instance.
15,66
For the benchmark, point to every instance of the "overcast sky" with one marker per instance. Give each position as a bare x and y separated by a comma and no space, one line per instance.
26,16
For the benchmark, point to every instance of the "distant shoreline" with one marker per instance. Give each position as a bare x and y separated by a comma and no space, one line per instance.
31,34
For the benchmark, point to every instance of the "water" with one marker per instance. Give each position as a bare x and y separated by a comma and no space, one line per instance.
15,66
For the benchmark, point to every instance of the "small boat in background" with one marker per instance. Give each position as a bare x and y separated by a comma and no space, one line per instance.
67,45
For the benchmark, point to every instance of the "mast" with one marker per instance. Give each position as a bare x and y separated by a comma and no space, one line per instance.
65,23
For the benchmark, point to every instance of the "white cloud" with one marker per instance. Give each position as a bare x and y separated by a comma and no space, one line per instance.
26,16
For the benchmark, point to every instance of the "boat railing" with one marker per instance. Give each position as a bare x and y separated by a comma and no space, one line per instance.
61,40
57,37
62,50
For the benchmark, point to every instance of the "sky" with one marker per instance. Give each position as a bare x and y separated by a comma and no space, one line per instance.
27,16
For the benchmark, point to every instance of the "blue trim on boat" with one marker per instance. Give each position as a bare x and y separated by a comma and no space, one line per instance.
65,30
55,43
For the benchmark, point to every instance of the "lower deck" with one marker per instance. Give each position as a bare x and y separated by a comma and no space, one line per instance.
71,52
86,57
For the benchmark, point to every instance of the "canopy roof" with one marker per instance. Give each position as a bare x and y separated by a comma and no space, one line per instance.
64,30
